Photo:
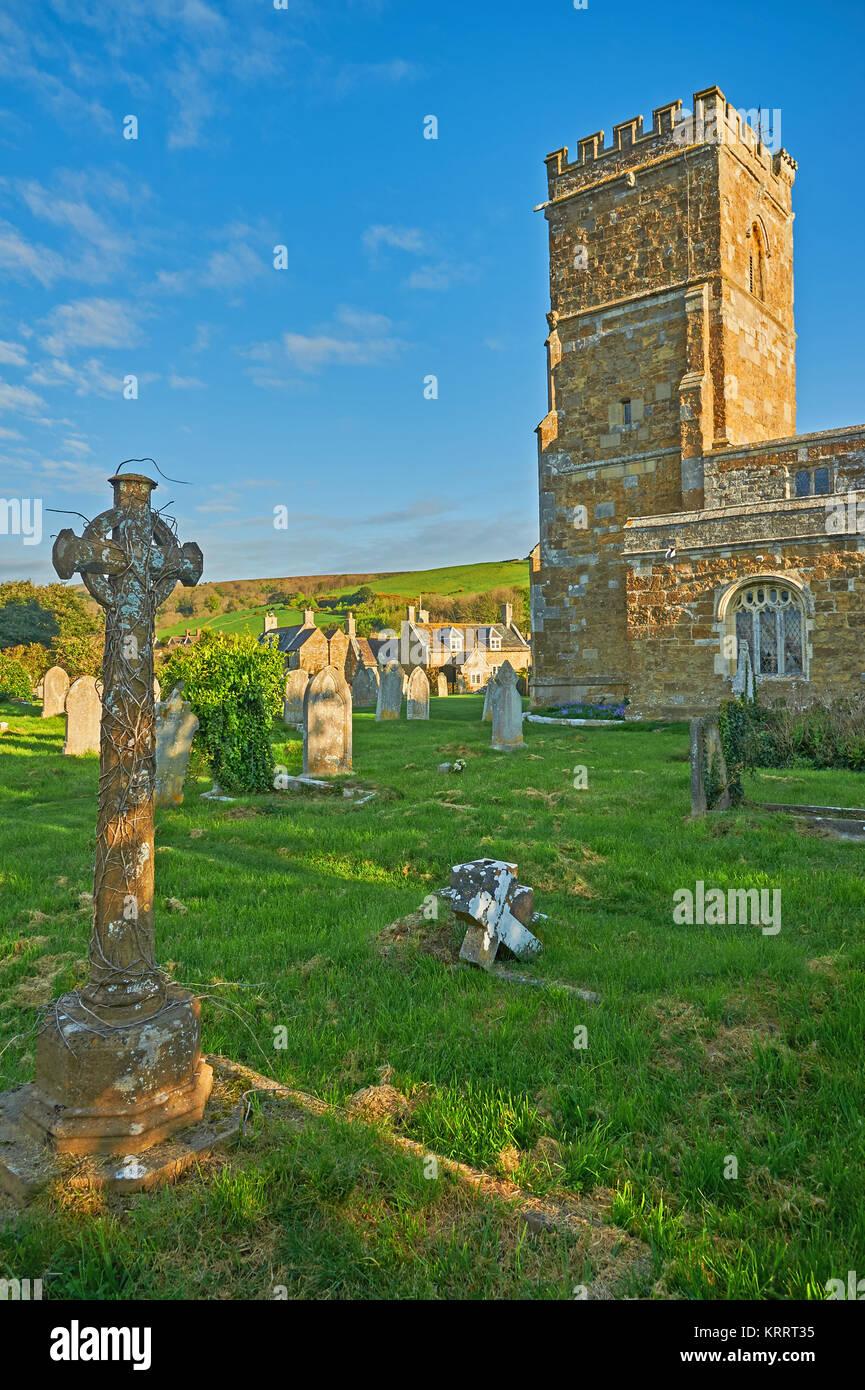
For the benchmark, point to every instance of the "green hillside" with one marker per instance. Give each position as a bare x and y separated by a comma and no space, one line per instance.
447,582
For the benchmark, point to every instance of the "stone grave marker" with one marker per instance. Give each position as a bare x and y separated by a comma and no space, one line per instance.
295,689
327,724
709,789
175,728
157,691
83,717
364,687
489,696
496,908
507,711
418,694
389,704
55,688
441,684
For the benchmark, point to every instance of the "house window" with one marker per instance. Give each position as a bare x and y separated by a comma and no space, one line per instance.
456,641
626,412
495,642
771,620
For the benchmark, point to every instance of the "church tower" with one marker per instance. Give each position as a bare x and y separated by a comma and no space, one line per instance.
671,338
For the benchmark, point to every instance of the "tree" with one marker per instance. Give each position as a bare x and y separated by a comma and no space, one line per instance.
213,603
236,689
15,683
53,618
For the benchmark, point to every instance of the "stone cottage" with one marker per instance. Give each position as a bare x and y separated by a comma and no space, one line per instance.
468,653
681,516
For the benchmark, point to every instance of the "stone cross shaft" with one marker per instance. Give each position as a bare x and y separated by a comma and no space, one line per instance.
130,560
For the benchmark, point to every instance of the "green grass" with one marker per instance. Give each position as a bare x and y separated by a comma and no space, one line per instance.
707,1042
448,582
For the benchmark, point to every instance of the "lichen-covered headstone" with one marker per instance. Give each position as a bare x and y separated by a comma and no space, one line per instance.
496,908
441,684
295,689
743,680
489,696
389,704
83,717
55,688
364,687
507,711
327,724
176,726
157,691
418,694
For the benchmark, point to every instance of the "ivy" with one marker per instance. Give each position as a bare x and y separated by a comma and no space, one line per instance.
236,688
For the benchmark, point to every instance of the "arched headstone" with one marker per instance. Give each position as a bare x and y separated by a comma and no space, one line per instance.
418,694
295,689
327,724
507,708
489,696
389,705
55,688
175,727
83,717
364,687
441,684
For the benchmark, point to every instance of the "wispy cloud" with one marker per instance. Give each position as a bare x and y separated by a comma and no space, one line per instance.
355,338
402,238
85,323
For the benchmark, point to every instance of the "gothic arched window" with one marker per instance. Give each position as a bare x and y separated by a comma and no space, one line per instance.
770,618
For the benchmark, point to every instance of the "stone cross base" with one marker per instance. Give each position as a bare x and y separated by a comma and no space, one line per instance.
496,909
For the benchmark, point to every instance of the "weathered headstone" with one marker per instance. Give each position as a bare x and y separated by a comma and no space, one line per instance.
489,695
523,685
709,782
418,694
175,728
327,724
55,688
364,686
389,704
441,684
743,680
295,689
507,711
485,894
157,691
83,716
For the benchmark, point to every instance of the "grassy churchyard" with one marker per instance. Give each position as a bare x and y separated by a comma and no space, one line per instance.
708,1042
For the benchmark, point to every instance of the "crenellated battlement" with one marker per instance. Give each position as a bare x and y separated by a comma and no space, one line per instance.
713,121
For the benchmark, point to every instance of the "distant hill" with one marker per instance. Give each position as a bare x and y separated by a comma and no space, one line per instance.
249,596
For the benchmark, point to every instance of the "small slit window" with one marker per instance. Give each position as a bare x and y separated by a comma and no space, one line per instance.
756,259
626,412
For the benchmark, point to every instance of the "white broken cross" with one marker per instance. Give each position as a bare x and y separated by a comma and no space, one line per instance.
486,895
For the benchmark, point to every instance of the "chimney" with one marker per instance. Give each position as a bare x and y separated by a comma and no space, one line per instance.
269,622
507,617
422,615
410,613
349,625
308,618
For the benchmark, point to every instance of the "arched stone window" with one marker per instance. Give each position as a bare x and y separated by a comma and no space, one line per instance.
756,262
769,616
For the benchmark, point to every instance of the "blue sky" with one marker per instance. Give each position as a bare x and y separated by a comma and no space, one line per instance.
304,387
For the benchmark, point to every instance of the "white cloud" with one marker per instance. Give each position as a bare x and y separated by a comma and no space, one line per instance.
355,338
184,383
402,238
442,275
23,259
19,399
89,323
13,354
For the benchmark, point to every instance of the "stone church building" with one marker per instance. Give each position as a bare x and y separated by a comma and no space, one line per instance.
681,516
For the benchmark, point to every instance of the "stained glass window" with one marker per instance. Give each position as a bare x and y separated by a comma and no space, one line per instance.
770,620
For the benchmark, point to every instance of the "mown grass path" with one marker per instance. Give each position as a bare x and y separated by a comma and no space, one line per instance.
708,1042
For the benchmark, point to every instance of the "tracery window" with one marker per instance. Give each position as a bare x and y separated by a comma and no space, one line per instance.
770,619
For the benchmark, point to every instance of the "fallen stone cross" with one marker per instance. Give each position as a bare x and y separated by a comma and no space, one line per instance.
486,895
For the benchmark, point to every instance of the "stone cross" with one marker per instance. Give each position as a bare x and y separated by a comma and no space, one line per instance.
83,717
118,1064
55,687
418,694
327,724
507,708
295,689
176,727
496,909
389,704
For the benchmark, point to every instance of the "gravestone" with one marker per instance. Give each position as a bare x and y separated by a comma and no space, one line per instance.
743,681
441,684
489,696
327,724
55,688
364,687
295,689
83,717
389,704
709,781
157,691
175,728
507,711
523,685
418,694
485,894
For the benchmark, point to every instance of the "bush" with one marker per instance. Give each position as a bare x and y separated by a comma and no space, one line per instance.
824,734
15,682
236,688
